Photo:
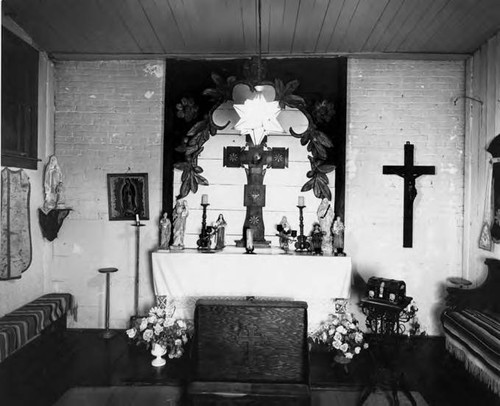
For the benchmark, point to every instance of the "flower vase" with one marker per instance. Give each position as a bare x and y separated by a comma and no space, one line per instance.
158,351
342,360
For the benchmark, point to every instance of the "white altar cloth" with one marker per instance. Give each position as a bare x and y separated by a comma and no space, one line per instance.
185,276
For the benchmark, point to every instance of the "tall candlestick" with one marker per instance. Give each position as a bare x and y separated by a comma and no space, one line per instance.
301,201
204,199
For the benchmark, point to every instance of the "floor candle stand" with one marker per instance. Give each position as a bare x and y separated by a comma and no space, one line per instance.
137,226
107,332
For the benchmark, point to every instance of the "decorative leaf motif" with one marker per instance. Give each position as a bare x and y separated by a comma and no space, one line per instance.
201,180
318,181
325,168
284,94
184,191
308,185
222,89
316,141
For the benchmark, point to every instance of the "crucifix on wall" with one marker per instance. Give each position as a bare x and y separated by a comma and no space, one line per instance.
255,159
409,172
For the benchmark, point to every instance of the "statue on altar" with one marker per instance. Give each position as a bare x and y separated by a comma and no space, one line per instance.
338,236
165,231
220,232
52,185
326,216
180,214
316,239
285,233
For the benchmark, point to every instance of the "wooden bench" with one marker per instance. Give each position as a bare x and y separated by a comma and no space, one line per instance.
471,324
23,325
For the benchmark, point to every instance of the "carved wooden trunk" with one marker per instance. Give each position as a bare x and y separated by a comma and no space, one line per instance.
250,352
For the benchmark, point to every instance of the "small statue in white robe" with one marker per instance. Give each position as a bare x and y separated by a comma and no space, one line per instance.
338,236
180,214
325,218
52,184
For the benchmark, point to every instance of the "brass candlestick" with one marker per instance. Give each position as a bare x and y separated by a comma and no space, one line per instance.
302,244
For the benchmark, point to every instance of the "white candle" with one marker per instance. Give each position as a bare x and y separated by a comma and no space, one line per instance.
136,217
301,200
249,238
204,199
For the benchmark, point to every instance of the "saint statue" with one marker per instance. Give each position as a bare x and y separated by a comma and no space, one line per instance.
220,232
316,239
52,184
338,236
284,233
180,214
165,231
325,218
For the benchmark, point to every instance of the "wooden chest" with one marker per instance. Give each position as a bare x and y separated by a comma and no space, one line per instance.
388,290
251,341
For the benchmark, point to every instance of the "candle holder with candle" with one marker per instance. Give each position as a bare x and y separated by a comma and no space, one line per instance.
206,232
249,241
302,244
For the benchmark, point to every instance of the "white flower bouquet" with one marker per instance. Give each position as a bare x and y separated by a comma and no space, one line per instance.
160,327
341,334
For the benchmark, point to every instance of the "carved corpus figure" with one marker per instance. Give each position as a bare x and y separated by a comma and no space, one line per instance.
180,214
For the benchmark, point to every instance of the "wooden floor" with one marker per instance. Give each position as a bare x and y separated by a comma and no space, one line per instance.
40,373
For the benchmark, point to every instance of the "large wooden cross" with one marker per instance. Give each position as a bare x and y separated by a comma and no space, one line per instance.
409,172
255,159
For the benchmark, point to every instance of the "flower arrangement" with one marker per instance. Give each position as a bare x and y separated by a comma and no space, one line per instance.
160,327
341,334
410,325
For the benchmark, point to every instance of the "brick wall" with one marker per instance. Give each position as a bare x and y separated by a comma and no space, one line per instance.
108,119
389,103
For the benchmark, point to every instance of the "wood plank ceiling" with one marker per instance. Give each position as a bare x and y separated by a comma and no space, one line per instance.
87,29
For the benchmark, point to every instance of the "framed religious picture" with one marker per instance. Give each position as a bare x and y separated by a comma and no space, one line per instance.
128,196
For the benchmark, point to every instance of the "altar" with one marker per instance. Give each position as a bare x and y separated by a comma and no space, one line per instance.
188,275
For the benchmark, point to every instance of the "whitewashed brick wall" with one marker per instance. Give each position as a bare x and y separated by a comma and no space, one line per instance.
389,103
108,119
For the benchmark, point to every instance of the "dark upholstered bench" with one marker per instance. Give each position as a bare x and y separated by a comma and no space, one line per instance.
471,324
23,325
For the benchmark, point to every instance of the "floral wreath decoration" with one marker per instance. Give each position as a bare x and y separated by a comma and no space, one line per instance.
316,141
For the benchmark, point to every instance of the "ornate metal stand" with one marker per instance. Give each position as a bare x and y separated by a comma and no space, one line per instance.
384,319
302,244
204,240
